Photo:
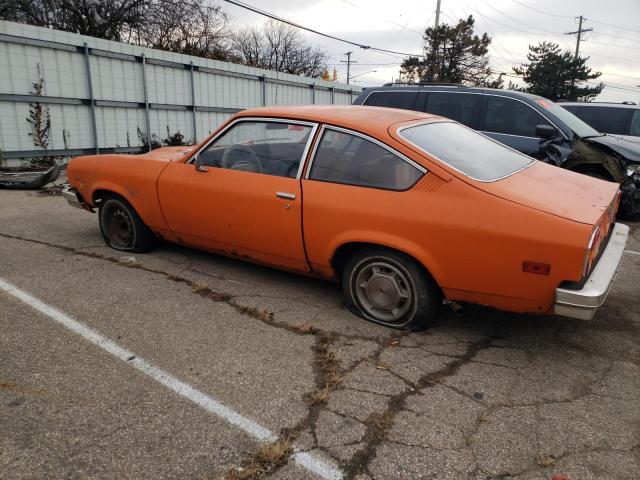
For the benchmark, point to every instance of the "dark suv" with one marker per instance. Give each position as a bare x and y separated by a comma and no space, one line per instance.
621,119
528,123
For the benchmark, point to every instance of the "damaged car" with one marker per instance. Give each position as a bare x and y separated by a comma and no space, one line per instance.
528,123
406,210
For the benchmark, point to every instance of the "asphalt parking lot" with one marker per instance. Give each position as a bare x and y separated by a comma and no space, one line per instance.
182,364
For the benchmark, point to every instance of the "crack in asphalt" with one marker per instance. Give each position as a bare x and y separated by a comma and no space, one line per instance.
329,372
379,424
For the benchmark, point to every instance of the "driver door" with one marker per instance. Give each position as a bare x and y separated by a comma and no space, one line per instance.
240,195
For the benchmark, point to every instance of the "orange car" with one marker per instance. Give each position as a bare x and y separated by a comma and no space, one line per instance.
405,209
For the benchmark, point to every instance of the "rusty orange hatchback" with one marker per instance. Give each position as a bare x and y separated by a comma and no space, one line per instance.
405,209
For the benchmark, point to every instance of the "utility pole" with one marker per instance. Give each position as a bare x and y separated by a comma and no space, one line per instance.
438,14
579,33
348,61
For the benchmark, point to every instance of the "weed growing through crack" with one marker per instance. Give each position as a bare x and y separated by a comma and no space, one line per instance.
320,396
268,458
330,374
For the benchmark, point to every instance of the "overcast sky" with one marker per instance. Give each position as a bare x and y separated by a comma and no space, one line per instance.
614,44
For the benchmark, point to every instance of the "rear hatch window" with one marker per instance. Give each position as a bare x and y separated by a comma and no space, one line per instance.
465,150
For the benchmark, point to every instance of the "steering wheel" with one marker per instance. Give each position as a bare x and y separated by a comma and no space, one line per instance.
241,157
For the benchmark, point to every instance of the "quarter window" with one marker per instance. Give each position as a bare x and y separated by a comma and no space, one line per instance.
270,148
350,159
505,115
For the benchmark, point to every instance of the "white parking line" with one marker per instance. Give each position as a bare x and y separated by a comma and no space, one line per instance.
631,252
306,460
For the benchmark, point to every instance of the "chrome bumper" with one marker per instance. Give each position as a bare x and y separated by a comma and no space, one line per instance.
583,303
71,196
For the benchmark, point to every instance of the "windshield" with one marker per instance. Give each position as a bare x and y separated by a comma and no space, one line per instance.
466,150
580,128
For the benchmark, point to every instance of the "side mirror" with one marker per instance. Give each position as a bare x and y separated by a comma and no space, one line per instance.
546,131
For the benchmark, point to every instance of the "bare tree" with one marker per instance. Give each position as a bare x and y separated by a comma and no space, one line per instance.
185,26
278,46
97,18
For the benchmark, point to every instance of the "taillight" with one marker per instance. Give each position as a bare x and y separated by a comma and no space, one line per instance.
594,242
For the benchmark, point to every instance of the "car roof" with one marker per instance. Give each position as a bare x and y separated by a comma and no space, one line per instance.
450,88
601,104
370,120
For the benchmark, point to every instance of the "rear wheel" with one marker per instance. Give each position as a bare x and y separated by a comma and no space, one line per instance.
390,288
122,228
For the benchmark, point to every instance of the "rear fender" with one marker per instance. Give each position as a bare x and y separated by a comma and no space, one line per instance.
386,239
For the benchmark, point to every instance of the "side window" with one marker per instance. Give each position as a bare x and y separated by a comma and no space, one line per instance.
505,115
634,129
461,107
271,148
404,100
571,108
351,159
606,119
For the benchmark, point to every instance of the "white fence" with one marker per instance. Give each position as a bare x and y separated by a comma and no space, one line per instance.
100,93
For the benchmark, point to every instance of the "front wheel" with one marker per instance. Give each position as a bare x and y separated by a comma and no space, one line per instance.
390,288
122,228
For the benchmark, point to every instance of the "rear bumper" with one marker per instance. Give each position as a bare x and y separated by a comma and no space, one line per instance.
583,303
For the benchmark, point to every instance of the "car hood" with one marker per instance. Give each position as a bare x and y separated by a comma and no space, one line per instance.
556,191
622,145
170,154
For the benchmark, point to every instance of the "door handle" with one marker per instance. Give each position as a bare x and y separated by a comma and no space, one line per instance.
288,196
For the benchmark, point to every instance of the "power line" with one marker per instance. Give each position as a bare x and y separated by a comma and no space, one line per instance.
614,36
293,24
616,26
510,26
609,56
614,45
388,20
542,11
570,16
622,76
493,37
521,23
544,35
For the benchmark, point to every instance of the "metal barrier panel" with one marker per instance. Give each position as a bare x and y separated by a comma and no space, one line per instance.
106,96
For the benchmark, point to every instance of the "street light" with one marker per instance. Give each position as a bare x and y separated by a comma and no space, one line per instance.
361,74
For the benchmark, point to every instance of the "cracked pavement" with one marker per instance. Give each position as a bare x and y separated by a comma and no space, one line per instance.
488,395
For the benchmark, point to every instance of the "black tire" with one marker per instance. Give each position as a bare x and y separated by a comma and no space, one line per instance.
122,228
389,276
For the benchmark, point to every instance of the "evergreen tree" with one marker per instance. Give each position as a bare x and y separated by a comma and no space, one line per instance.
557,75
453,54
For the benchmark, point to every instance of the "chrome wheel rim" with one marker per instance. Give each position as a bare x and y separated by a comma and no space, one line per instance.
118,226
383,291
